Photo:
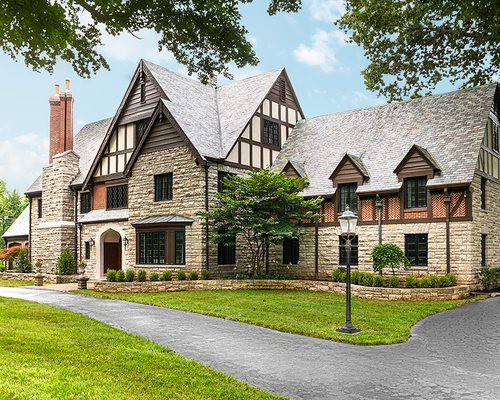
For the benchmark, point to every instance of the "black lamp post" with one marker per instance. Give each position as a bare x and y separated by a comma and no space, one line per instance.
348,223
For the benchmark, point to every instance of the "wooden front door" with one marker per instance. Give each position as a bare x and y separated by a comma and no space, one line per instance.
112,256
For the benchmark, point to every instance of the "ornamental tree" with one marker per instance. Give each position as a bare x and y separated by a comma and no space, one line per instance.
262,207
388,255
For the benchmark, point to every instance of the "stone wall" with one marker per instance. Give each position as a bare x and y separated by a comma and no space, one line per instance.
378,293
49,278
55,230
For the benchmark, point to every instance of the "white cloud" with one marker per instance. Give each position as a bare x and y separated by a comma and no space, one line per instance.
321,53
326,10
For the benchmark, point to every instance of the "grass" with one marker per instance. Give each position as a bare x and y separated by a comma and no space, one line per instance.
48,353
9,283
308,313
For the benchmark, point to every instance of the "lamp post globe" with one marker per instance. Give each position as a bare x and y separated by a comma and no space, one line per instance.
348,224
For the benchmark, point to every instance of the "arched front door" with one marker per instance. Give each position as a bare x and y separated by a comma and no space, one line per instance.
112,249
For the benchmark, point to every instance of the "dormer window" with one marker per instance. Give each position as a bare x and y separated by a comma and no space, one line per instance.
348,197
415,192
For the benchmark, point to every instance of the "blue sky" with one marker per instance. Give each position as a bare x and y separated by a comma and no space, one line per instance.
324,70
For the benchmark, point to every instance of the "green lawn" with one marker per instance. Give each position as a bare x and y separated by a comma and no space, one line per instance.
308,313
48,353
6,282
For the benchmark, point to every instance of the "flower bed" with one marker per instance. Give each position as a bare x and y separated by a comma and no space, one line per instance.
50,278
381,293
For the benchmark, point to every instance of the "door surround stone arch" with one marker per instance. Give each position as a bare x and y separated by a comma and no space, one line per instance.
99,243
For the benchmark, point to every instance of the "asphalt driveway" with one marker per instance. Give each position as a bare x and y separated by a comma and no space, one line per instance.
451,355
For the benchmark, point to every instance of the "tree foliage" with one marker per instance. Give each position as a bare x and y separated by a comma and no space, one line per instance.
388,255
12,205
262,207
413,45
204,35
66,265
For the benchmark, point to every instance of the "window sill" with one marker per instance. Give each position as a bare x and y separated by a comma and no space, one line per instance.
161,201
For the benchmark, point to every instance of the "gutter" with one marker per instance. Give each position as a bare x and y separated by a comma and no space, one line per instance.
75,194
207,233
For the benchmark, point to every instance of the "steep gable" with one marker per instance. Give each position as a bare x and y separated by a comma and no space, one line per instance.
350,170
417,162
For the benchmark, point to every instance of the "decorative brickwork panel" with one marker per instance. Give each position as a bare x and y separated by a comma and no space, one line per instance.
438,206
415,214
394,205
367,213
329,211
458,204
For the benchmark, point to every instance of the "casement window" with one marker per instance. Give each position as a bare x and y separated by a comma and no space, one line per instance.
85,202
416,249
343,252
348,197
483,250
495,145
140,128
220,180
87,250
39,205
290,251
270,133
415,192
226,254
163,187
162,246
483,192
117,197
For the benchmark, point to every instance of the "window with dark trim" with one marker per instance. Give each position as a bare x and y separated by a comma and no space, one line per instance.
483,250
495,145
226,254
291,251
117,197
483,192
163,187
348,197
343,252
140,128
270,133
39,205
415,192
162,246
220,180
416,249
85,203
87,250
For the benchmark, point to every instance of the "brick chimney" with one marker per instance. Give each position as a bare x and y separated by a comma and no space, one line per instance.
61,121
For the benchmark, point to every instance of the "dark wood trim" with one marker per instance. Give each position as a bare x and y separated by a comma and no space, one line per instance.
408,155
487,176
136,117
108,178
341,164
104,220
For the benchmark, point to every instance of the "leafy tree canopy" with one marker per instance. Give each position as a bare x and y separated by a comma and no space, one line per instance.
413,45
12,205
262,207
204,35
389,255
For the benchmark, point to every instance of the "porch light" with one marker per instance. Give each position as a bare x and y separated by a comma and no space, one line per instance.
125,241
92,242
348,223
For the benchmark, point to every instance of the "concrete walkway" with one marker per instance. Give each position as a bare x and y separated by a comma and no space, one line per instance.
451,355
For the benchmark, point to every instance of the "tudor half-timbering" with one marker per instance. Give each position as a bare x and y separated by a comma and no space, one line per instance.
429,167
124,192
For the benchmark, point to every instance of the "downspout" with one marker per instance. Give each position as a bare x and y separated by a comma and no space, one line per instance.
75,193
29,230
447,203
207,233
316,247
80,226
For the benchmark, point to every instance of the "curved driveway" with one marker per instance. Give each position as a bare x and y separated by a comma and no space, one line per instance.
451,355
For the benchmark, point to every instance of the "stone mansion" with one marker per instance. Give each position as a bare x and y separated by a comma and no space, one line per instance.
124,192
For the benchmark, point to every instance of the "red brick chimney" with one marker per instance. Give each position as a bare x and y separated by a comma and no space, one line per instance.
61,121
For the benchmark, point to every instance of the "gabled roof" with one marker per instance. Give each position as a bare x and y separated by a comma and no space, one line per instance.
20,227
450,126
297,166
356,161
86,143
424,153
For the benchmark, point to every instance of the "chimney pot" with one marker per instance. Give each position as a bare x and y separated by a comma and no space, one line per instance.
57,89
67,85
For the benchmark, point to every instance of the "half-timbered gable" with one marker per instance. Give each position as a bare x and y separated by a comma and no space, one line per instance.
488,163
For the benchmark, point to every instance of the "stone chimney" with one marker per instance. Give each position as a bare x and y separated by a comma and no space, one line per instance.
61,121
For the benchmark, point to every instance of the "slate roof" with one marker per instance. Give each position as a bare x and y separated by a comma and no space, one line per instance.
86,143
104,215
450,126
20,227
164,219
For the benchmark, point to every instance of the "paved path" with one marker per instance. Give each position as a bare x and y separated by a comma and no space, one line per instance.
451,355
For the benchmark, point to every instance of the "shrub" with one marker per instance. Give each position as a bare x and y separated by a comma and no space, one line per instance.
2,268
366,279
490,278
120,276
205,275
166,275
129,275
65,264
435,281
425,282
388,255
141,275
377,281
181,275
337,274
355,277
451,279
111,275
411,281
153,276
22,262
393,281
193,276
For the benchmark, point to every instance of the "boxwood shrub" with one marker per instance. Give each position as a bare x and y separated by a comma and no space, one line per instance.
205,275
411,281
377,281
181,275
141,275
129,275
111,275
166,275
193,276
424,282
392,281
120,276
153,276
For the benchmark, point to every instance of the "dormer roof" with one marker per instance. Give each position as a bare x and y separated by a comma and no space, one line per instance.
354,162
418,161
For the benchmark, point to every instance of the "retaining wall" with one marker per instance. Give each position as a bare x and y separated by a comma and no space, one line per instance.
50,278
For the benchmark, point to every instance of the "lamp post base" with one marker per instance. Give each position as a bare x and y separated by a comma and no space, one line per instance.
348,328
